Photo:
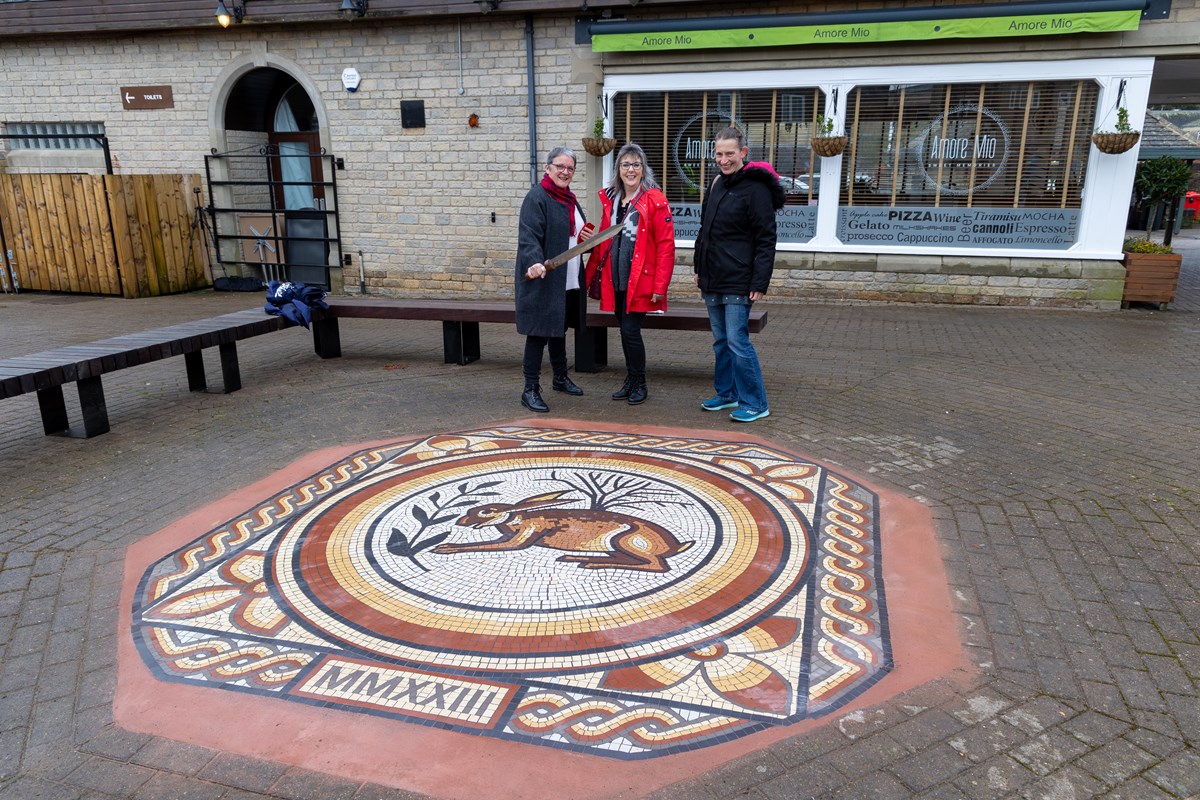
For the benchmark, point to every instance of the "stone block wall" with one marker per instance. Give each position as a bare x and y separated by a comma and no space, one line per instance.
433,210
1035,282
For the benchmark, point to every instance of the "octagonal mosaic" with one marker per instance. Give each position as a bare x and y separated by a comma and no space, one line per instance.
622,594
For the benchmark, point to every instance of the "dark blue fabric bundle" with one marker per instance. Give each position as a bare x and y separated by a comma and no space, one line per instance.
294,301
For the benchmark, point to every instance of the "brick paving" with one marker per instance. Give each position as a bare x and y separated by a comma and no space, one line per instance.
1056,451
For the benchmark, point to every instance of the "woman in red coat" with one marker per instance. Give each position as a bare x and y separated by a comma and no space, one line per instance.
635,267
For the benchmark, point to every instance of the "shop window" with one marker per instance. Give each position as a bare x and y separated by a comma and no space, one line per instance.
993,145
984,164
676,129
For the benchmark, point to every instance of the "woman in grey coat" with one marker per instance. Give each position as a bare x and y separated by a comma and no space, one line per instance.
549,300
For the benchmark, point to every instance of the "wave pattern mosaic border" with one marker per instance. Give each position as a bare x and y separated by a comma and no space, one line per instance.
626,595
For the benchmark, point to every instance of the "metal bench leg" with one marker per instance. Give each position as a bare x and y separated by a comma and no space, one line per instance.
195,371
591,349
327,339
91,402
230,373
460,342
54,410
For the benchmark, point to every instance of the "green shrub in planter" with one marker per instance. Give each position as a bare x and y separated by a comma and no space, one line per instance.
1142,244
1163,180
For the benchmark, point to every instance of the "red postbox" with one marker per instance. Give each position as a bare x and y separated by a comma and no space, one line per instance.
1191,202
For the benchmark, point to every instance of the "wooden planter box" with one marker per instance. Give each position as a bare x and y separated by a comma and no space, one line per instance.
1150,278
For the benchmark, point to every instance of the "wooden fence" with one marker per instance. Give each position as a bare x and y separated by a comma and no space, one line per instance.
130,235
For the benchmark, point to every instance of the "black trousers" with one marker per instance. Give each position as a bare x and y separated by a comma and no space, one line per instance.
534,347
631,339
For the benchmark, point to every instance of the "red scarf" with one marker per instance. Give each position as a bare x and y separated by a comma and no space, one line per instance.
564,196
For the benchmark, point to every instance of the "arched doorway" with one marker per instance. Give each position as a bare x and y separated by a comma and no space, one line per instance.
276,214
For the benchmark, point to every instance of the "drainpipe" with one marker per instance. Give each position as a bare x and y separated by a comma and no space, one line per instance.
533,146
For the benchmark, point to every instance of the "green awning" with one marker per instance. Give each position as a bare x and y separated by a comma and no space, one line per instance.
918,24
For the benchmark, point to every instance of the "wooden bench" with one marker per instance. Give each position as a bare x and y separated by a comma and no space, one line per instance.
460,321
595,357
460,325
84,364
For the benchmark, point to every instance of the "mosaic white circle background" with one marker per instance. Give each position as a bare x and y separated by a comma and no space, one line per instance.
525,609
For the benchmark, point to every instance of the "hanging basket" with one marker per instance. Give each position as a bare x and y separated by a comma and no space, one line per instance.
829,145
598,147
1114,143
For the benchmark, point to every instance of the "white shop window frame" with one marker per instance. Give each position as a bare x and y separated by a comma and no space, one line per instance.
1107,186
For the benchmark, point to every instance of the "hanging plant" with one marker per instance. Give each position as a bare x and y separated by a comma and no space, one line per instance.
825,142
1124,137
598,144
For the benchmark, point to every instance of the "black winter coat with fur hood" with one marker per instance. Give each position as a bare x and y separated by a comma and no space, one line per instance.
735,249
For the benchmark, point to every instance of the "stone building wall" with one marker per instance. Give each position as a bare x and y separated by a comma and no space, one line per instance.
433,210
418,203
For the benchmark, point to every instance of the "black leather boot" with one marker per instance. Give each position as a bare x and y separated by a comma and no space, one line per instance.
623,392
531,398
638,393
565,384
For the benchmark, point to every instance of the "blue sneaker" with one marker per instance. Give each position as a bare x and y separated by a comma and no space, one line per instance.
718,403
746,415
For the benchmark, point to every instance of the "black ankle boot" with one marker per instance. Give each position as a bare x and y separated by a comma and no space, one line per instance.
565,384
531,398
623,392
638,393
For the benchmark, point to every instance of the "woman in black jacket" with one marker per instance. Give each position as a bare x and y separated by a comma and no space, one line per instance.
548,300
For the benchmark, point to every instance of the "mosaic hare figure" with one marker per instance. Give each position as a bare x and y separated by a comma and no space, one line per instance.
597,539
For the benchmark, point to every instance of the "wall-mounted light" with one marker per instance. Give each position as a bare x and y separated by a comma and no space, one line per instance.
353,9
488,6
225,18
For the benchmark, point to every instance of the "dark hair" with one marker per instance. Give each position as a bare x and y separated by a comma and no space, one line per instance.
648,181
732,132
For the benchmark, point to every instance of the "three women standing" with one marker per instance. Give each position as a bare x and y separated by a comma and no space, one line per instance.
635,266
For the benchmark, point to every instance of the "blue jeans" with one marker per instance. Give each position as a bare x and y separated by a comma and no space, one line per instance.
737,374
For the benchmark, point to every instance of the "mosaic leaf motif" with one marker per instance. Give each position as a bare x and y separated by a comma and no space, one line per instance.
623,594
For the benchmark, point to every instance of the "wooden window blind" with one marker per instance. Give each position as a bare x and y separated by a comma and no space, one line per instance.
986,145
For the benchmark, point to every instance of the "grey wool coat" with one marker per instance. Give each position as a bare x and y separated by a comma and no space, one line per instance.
542,303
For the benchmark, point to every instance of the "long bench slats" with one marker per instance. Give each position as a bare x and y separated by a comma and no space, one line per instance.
84,363
442,310
460,325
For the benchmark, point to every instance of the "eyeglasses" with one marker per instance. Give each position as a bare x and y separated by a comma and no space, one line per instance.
631,165
565,168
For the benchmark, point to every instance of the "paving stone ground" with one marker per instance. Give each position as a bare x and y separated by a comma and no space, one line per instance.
1057,451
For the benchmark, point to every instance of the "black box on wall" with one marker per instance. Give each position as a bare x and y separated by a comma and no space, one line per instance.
412,113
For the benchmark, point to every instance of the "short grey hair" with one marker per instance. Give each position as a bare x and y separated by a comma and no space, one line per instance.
561,151
631,149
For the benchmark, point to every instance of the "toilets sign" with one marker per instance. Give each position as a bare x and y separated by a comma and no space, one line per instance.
140,98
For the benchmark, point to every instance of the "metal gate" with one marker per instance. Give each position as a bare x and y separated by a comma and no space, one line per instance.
268,221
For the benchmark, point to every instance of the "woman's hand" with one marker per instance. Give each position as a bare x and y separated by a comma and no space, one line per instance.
536,271
586,232
656,298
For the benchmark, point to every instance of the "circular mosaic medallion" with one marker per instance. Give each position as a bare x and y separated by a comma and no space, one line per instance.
623,593
565,558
